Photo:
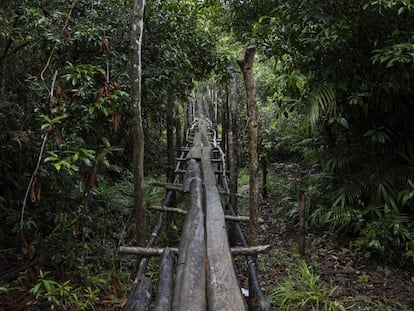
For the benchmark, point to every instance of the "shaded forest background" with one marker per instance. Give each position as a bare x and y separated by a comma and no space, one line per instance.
334,85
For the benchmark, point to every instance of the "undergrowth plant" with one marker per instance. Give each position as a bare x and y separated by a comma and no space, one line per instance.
54,293
303,290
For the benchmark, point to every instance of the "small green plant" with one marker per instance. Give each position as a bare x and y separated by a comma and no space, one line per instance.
89,299
3,289
364,278
303,290
56,294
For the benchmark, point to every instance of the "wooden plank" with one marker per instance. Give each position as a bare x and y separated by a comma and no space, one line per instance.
140,282
190,285
253,279
168,209
250,251
195,151
184,212
193,171
215,172
179,187
223,290
141,296
163,300
154,251
144,251
169,186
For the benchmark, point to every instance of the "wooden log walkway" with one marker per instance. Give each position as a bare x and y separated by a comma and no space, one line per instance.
205,277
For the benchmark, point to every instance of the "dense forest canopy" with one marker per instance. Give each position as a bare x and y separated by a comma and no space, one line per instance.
335,90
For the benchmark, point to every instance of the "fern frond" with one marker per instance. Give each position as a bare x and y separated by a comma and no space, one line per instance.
322,101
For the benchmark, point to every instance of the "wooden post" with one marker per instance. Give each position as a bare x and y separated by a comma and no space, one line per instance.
302,224
264,177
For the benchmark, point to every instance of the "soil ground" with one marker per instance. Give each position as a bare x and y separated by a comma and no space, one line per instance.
361,283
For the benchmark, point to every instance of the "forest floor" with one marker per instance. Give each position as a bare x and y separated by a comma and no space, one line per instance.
340,272
360,283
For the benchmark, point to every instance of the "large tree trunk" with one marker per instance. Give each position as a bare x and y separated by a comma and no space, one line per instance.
246,65
137,130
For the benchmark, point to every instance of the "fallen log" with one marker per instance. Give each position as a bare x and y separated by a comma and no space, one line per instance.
178,187
169,186
155,251
253,279
223,290
140,283
190,287
144,251
141,291
250,251
163,300
168,209
195,150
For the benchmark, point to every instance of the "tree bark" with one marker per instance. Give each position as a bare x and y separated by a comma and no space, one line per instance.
246,65
302,224
225,119
190,284
232,154
170,134
177,131
137,129
264,177
163,300
222,287
184,212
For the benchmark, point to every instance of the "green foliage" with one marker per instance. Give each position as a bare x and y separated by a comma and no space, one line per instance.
3,289
347,66
303,290
56,294
65,295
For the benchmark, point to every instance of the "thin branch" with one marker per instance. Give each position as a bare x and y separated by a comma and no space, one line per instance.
39,159
31,180
55,46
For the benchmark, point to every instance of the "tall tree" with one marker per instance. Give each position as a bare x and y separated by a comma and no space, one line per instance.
137,129
246,65
349,67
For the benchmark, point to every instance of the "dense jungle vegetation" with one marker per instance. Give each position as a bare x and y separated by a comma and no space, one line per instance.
334,83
